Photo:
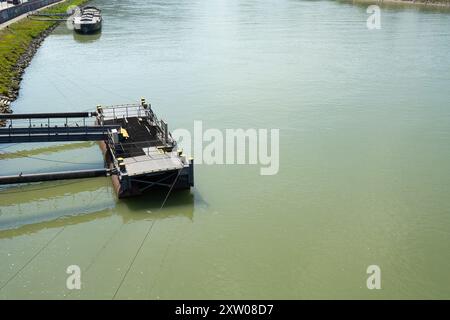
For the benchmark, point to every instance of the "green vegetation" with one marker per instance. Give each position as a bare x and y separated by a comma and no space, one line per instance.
16,39
419,3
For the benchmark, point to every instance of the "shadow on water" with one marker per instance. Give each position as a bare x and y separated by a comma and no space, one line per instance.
63,30
154,199
54,206
44,150
64,221
17,196
149,206
30,204
87,38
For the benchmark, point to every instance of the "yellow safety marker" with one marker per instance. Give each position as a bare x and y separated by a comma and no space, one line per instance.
124,133
161,149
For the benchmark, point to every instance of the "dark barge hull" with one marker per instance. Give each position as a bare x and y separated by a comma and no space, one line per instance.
184,180
88,28
128,181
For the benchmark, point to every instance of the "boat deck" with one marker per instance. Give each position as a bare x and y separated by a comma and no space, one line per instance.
145,148
153,161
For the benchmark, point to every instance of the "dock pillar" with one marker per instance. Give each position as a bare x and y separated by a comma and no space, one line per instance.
191,172
165,129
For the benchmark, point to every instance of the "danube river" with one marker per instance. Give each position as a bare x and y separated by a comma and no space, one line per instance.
364,176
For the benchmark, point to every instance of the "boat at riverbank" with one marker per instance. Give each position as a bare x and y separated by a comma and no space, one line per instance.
89,21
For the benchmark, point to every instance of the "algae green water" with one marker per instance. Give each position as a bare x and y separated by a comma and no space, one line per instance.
364,119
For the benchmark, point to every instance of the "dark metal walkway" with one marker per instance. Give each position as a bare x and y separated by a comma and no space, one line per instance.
53,127
53,176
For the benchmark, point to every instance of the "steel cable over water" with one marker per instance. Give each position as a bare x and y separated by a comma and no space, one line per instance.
146,235
32,258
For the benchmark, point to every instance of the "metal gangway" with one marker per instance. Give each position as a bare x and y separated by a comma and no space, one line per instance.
53,127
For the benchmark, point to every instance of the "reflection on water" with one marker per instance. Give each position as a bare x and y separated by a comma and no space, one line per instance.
35,227
36,203
30,208
86,38
63,31
149,205
48,149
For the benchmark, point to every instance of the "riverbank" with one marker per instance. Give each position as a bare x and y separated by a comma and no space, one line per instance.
19,42
18,18
419,3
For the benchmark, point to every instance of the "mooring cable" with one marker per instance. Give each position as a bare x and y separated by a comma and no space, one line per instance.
146,235
150,289
134,258
107,242
99,251
92,86
62,94
170,190
32,258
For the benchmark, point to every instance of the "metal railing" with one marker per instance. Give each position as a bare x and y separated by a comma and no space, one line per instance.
58,127
13,12
123,111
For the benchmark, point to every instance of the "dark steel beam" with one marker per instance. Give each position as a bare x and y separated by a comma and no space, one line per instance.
52,176
49,115
56,130
52,138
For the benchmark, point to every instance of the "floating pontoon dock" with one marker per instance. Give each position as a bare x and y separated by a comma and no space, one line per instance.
140,153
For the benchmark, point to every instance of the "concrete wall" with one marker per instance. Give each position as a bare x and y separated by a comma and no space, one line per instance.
11,13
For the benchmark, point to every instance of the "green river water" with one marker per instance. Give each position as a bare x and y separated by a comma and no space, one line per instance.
364,119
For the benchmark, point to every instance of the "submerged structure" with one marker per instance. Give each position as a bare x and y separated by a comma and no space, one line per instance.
140,153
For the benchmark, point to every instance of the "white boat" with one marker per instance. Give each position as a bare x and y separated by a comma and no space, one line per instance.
89,21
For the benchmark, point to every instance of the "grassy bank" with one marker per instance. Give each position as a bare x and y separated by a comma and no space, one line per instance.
15,42
421,3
